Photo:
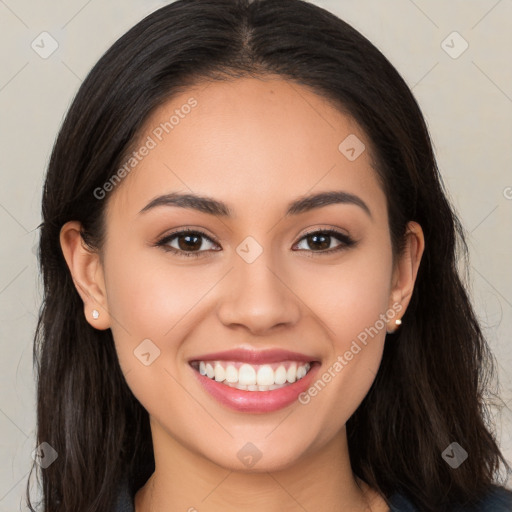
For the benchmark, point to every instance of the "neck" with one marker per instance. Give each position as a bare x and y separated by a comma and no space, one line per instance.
185,480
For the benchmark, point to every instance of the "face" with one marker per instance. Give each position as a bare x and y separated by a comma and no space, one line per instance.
317,280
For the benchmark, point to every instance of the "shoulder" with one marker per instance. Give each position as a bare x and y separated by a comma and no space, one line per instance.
125,500
498,499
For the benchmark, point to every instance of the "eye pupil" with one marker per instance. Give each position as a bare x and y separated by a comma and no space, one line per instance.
196,245
324,244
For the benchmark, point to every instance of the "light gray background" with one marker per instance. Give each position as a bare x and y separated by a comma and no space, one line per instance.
467,102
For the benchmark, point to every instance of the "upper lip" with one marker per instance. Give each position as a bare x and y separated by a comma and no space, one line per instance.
255,356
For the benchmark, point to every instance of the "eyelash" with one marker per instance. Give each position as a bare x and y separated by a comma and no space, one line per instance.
346,242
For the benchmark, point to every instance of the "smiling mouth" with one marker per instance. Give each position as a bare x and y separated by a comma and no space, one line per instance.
253,377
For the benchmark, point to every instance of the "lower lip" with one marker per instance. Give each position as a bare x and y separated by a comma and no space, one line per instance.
257,401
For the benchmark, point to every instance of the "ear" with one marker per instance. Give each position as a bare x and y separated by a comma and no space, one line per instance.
87,274
405,272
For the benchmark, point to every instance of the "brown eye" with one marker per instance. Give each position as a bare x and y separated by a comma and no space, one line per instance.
189,242
186,243
320,241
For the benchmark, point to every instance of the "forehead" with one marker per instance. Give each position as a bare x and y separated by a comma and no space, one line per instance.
254,143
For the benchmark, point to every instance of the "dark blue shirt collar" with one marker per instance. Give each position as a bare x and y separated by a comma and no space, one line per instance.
497,500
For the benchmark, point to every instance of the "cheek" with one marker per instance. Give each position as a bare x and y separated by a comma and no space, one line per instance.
351,295
350,299
150,298
149,293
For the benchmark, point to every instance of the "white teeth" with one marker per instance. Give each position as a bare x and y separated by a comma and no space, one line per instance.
291,374
220,373
265,376
246,375
231,373
280,375
253,378
255,387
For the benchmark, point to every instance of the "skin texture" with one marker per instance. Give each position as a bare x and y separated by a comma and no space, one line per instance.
256,145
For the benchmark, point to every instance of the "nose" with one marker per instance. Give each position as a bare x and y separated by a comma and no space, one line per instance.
258,297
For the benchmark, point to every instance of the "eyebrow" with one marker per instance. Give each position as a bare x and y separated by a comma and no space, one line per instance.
220,209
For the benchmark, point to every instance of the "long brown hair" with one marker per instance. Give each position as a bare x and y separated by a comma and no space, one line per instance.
436,370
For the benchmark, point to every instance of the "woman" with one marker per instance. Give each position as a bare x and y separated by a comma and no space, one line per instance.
251,294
